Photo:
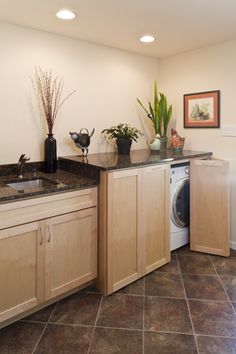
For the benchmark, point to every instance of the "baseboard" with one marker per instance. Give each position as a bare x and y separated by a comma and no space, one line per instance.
233,245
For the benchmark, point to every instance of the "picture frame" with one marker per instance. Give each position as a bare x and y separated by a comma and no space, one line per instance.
202,109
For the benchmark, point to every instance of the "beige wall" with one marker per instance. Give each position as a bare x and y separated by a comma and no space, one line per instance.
206,69
107,83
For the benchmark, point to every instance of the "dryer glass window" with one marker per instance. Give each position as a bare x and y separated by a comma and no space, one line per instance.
181,205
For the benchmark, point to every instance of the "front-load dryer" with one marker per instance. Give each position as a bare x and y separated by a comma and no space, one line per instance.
179,206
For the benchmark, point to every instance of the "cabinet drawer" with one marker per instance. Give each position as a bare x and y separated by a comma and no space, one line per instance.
21,212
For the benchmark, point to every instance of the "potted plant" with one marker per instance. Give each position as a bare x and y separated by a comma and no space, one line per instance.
124,135
160,115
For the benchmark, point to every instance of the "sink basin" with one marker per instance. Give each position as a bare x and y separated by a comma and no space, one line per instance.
36,183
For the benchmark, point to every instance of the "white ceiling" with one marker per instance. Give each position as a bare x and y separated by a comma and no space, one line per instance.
178,25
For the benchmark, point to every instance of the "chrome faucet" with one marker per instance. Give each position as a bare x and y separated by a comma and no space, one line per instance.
20,165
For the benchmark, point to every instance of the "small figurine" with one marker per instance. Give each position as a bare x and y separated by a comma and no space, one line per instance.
82,140
177,142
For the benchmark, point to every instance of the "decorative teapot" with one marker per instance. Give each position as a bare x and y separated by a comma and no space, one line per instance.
82,139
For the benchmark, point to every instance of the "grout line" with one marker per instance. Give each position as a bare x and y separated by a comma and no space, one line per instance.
186,299
234,311
122,328
44,329
137,295
40,338
190,334
90,343
166,297
69,324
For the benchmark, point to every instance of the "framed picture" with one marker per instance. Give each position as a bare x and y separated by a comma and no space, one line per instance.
202,110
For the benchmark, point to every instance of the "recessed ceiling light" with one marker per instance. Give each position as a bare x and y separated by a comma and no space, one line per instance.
147,38
65,14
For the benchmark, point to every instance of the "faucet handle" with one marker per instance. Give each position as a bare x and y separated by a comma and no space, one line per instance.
23,158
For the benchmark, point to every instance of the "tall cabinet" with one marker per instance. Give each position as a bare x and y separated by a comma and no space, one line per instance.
209,206
133,224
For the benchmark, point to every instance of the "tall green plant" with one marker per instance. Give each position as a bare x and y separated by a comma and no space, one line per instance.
158,112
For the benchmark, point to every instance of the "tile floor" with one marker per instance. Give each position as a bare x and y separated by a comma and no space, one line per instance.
185,307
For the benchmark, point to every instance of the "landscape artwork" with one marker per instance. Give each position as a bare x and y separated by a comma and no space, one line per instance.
201,110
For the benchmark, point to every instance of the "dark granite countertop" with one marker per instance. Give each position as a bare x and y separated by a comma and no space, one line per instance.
113,161
64,181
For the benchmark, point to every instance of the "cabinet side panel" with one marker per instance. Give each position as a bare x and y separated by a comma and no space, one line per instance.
209,207
101,281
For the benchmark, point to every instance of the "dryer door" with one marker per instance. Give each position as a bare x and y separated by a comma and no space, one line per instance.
180,205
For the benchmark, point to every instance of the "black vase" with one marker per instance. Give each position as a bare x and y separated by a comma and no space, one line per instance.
50,154
124,146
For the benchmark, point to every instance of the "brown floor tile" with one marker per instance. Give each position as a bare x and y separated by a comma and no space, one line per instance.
164,284
224,266
136,288
186,250
214,345
213,318
171,267
121,311
91,289
232,253
169,343
230,286
20,337
80,308
116,341
170,315
41,315
203,287
197,264
62,339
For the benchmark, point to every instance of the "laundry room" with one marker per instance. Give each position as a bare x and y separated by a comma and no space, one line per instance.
117,177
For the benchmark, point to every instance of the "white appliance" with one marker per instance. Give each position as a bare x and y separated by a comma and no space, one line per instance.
179,206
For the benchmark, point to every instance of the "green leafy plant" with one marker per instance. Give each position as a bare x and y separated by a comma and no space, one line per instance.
123,131
158,112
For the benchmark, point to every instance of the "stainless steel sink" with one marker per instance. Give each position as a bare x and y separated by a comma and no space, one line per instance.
36,183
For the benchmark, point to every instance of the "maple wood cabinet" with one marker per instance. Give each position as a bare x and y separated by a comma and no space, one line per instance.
43,259
133,224
209,206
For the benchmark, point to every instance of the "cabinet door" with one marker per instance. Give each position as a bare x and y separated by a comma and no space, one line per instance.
155,216
209,206
123,229
70,251
21,269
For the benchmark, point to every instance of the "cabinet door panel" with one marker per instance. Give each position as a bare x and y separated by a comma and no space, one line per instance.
209,206
71,251
21,269
155,216
123,230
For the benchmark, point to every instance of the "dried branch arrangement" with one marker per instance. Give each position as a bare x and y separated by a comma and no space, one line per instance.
48,90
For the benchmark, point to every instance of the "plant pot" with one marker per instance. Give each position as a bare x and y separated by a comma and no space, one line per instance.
177,150
163,141
50,154
123,146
